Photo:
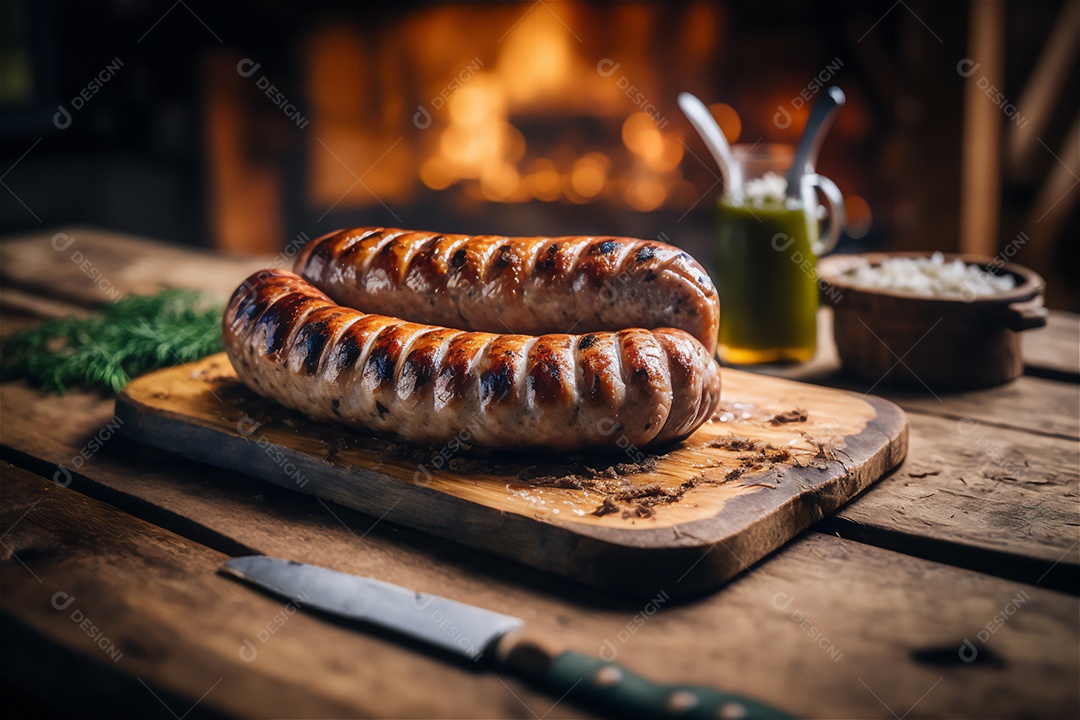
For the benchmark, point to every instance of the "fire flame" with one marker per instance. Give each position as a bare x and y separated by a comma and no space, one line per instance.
473,140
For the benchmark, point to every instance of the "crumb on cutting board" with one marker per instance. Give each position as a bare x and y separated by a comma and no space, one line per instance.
796,415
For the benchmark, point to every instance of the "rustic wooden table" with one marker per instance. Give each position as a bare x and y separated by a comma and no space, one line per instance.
948,589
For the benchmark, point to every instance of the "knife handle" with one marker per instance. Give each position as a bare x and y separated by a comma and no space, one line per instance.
613,690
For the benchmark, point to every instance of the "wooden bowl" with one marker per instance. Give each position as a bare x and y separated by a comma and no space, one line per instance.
940,343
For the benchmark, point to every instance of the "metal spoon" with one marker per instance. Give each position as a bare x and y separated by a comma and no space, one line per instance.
710,132
821,117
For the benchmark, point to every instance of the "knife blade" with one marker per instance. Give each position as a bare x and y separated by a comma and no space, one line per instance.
477,634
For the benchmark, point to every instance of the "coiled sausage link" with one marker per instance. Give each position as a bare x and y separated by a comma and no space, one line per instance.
531,285
289,342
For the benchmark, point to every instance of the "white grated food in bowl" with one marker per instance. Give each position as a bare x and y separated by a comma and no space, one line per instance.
930,277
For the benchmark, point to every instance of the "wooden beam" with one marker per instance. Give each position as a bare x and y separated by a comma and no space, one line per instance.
1054,204
980,183
1043,92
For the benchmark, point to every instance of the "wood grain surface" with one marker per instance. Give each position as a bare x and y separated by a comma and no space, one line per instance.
1054,351
88,267
162,630
829,628
979,496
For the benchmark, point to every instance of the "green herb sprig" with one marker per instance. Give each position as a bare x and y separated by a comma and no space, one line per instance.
106,349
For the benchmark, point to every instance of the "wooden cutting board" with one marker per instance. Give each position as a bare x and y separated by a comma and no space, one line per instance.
778,456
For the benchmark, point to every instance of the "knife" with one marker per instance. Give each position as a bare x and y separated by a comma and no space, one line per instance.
480,635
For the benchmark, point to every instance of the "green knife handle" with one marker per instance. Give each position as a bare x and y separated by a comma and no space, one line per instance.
613,690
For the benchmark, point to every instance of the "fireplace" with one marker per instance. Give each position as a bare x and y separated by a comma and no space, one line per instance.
541,118
242,125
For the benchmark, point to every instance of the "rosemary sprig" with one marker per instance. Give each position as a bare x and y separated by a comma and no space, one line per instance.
110,346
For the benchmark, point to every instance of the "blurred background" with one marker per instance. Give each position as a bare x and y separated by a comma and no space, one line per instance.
244,126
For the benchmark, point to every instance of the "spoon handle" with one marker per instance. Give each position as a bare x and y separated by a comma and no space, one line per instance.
703,121
821,117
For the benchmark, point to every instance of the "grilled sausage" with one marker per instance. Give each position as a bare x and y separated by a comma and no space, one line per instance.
291,343
531,285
